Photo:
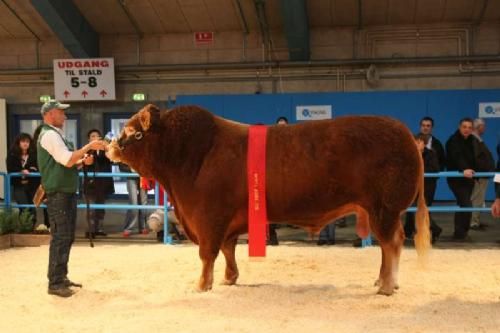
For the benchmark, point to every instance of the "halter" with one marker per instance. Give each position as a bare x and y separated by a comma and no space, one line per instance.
129,140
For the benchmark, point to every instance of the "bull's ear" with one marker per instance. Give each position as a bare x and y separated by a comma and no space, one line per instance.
146,116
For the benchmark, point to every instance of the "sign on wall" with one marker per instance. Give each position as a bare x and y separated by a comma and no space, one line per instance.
84,79
313,112
203,37
489,110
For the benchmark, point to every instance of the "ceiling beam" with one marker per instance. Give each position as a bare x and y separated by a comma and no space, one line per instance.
296,24
70,26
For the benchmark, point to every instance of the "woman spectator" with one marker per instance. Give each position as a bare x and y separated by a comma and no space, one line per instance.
21,158
98,188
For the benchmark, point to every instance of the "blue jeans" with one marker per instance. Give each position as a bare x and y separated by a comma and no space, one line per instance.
135,215
61,208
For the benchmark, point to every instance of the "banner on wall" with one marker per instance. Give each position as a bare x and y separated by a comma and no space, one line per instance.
489,110
84,79
313,112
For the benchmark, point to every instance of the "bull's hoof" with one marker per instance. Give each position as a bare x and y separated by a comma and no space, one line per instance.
228,282
201,288
385,292
378,283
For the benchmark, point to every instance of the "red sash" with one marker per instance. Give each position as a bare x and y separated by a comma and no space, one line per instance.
256,180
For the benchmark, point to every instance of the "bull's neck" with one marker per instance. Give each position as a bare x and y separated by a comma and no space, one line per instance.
183,151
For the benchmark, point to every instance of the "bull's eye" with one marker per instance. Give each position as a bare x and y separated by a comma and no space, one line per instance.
138,135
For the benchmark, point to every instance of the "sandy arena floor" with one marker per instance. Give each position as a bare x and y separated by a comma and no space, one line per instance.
298,288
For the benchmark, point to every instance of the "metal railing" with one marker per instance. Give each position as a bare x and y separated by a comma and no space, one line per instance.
167,239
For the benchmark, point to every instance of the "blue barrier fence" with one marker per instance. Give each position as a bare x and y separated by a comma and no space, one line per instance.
167,239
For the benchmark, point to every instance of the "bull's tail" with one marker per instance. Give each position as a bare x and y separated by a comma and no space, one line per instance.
422,238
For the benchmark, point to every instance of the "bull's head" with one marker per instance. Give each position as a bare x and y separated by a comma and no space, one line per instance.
130,146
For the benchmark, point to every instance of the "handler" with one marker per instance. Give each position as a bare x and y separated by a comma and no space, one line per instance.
59,163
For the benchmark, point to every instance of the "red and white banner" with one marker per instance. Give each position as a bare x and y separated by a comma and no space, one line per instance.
84,79
256,180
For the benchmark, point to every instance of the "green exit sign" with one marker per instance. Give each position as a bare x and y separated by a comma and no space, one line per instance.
139,97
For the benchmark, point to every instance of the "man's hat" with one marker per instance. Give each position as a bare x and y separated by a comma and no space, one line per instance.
53,104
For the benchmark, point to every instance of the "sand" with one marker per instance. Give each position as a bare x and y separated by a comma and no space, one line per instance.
297,288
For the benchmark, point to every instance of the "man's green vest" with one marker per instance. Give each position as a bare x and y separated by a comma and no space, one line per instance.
55,176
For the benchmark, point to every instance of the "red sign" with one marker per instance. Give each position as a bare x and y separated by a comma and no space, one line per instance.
204,37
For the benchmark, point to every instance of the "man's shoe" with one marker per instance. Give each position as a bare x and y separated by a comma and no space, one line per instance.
461,239
436,234
358,242
322,242
100,233
69,283
273,242
61,292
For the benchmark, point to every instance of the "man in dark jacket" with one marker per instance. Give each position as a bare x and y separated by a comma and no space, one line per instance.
431,164
426,127
460,157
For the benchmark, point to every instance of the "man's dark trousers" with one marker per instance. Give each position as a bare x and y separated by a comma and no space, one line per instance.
62,215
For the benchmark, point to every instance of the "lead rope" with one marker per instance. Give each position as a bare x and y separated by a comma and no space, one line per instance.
87,201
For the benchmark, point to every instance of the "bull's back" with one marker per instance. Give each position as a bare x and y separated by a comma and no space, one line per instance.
318,166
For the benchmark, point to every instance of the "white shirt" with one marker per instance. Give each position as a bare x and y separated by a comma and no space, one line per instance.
429,143
54,144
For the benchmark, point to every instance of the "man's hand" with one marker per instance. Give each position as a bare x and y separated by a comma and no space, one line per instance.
25,172
88,159
495,208
97,145
468,173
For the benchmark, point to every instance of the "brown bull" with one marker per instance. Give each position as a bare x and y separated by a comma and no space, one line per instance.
316,172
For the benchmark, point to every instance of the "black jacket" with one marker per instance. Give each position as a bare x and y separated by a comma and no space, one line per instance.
431,161
104,185
14,165
437,146
484,159
460,152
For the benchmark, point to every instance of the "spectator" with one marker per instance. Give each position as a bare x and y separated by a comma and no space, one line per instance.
431,164
21,158
58,163
460,157
327,234
484,163
136,195
426,127
98,188
155,220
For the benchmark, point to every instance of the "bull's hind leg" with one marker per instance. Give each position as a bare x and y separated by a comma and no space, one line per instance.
391,237
228,248
208,253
